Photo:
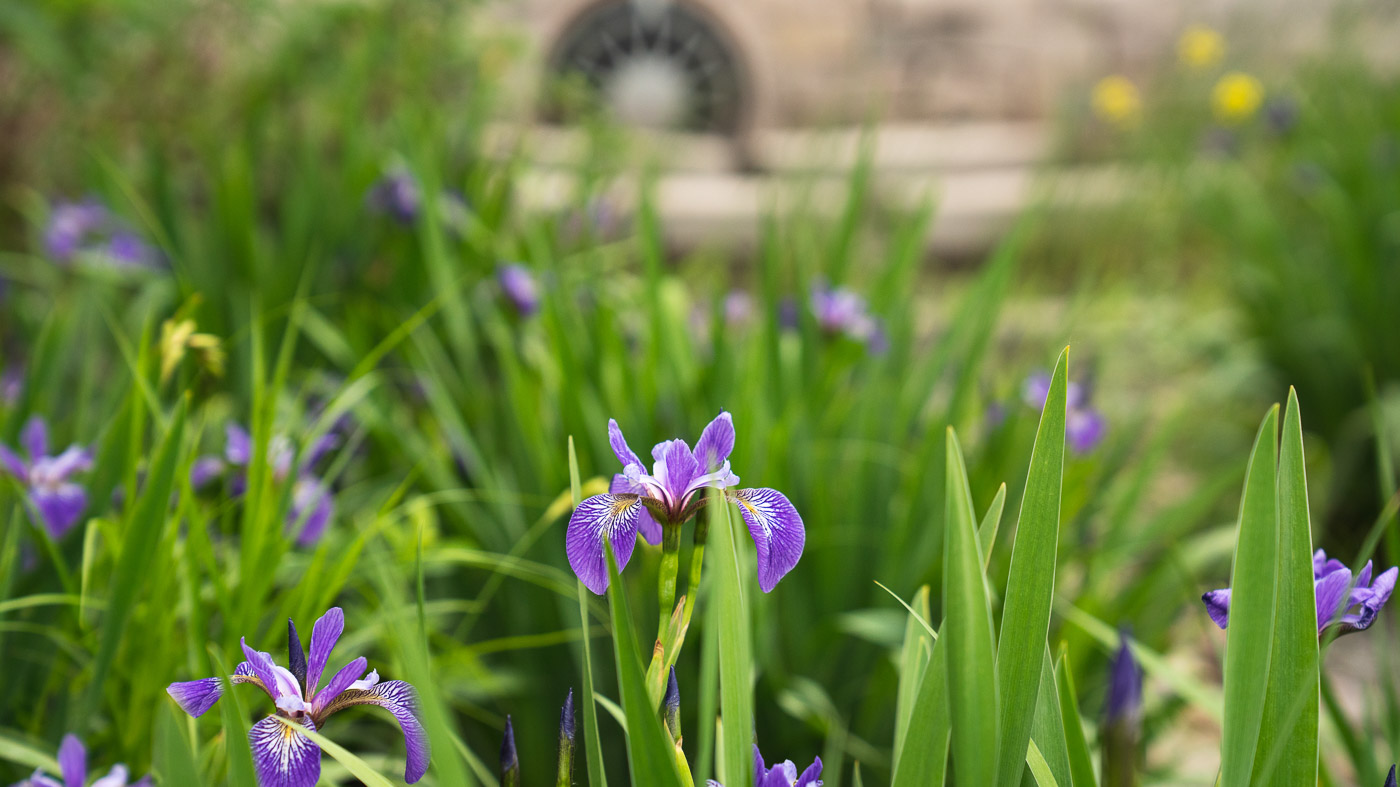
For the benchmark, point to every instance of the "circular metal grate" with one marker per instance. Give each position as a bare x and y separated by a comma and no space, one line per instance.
655,64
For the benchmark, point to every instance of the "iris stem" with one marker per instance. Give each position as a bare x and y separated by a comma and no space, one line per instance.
670,567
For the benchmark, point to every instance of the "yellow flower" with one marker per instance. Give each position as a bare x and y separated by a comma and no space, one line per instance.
1236,97
1116,100
1200,47
177,337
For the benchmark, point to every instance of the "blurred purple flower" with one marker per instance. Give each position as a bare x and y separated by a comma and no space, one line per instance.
89,227
520,288
789,313
59,501
1124,704
1342,606
1281,115
637,498
1390,779
72,764
783,774
738,308
312,502
398,195
11,385
282,756
842,312
510,759
1085,426
72,227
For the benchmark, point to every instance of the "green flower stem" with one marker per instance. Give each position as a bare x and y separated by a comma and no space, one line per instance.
670,567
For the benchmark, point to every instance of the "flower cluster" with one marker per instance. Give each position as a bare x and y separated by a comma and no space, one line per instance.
282,756
72,765
1085,427
783,774
1343,606
312,502
843,312
643,502
59,501
88,227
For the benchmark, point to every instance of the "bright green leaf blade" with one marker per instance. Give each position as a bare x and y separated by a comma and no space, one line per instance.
234,716
1081,764
1030,586
143,534
991,523
648,750
1250,636
730,613
23,753
972,679
1047,729
361,770
592,741
913,659
1288,748
923,760
1040,769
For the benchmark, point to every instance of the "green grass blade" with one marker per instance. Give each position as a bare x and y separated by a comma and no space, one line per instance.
913,659
1249,639
1288,748
1040,769
592,742
972,678
1047,728
923,760
1030,586
1081,764
648,751
730,614
26,755
143,534
234,716
173,759
991,523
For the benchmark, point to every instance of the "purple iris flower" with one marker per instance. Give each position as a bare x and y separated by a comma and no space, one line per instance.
1124,703
59,501
72,764
783,774
397,194
312,501
637,499
72,227
282,756
1390,780
1085,426
842,312
519,286
1342,606
126,249
738,309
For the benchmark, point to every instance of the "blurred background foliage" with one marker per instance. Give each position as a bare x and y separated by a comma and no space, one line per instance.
1244,249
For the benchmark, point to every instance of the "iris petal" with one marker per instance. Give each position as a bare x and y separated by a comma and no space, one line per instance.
716,443
777,532
398,698
35,438
1218,606
646,523
619,445
72,761
60,507
611,517
282,756
324,634
195,697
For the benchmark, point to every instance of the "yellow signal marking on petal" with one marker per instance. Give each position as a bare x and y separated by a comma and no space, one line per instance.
619,507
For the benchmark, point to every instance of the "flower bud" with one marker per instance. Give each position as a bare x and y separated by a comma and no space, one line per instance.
510,761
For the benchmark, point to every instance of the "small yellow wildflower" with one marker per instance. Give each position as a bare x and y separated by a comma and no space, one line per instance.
1200,47
1236,97
178,336
1116,100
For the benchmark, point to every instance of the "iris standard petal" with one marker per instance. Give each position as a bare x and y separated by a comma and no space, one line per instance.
812,776
1218,606
117,777
1332,597
296,657
13,464
262,667
339,682
1322,566
282,756
196,697
324,634
72,761
74,459
611,517
398,698
716,443
60,507
311,500
619,445
777,532
646,523
675,467
204,470
35,438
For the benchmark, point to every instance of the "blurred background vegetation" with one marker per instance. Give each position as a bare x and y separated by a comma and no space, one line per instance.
1244,237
